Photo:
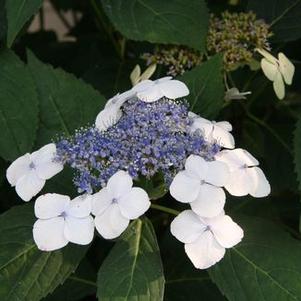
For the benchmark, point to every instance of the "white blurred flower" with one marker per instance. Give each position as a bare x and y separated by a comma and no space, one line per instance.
279,71
118,203
61,221
245,176
218,132
205,239
200,185
150,91
112,112
30,171
234,94
137,77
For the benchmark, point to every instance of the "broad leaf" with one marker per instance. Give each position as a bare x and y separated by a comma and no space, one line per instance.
183,280
297,151
264,266
18,13
167,22
18,107
3,24
79,285
66,103
133,269
205,83
26,273
284,16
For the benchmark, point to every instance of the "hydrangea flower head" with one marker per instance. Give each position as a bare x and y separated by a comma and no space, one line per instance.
143,132
148,138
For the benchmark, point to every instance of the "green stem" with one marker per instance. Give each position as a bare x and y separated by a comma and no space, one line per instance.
81,280
101,23
165,209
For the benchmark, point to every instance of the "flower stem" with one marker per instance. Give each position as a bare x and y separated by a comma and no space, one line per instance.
165,209
81,280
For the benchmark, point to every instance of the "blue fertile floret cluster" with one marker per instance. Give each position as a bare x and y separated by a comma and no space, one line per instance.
149,138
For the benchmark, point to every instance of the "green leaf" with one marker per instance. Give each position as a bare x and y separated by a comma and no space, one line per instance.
26,273
205,83
297,151
79,285
284,16
183,280
155,187
133,269
3,23
18,13
66,103
167,22
18,107
265,266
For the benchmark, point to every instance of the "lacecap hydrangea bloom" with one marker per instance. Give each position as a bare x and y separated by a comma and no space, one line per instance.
141,133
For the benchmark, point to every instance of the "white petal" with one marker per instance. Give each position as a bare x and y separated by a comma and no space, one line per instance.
287,68
187,227
50,205
223,137
120,184
49,234
278,86
29,185
237,158
196,167
119,99
269,69
43,161
217,174
143,85
150,95
101,201
184,188
134,204
239,183
225,125
209,202
80,206
267,56
163,79
226,232
173,89
205,126
79,230
261,186
204,252
108,117
18,169
192,115
111,223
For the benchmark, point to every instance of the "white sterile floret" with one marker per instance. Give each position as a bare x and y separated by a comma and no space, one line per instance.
279,71
137,77
150,91
235,94
61,221
30,171
245,176
218,132
205,239
118,203
112,112
200,185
